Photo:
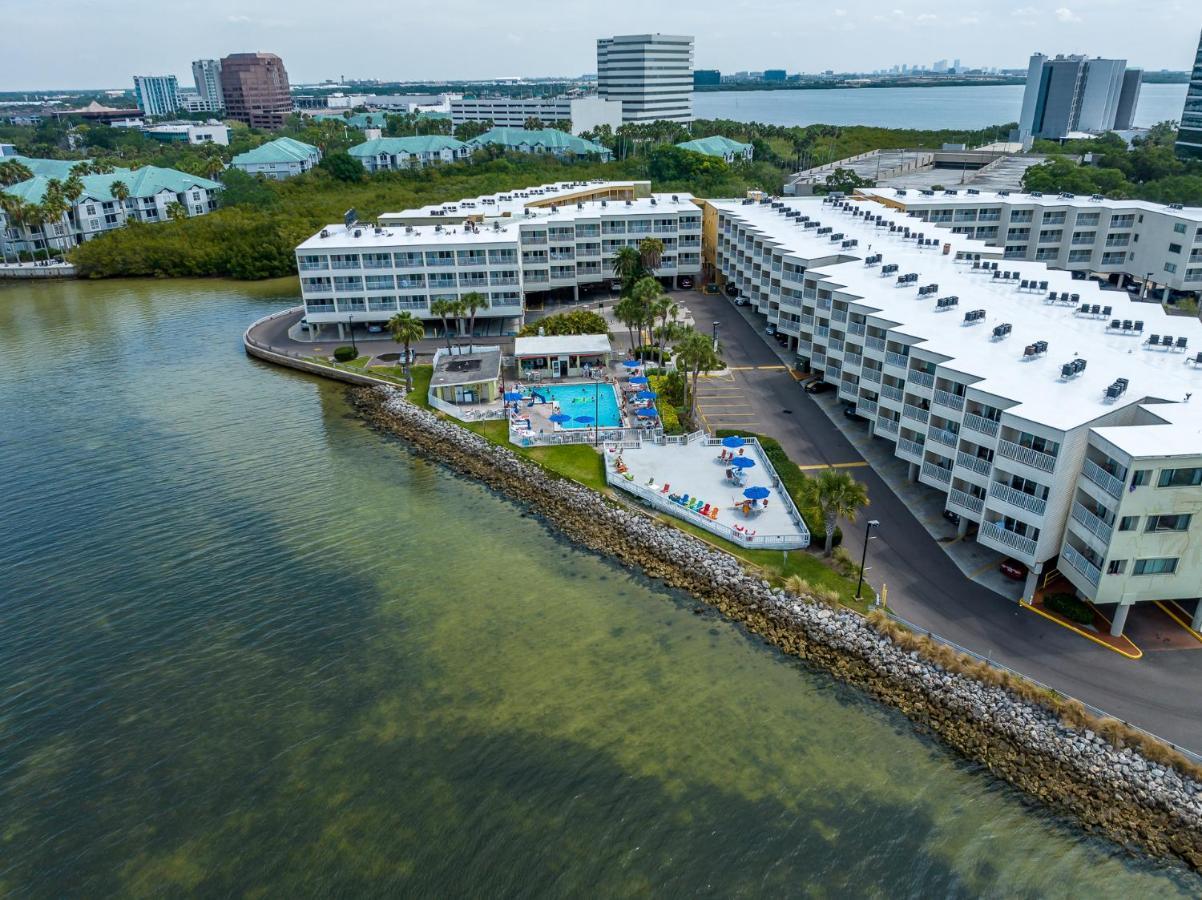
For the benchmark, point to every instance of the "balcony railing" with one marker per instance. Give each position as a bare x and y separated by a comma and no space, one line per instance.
866,408
896,359
893,393
939,473
1103,479
1078,561
974,463
852,359
1092,522
873,375
980,424
922,379
966,501
945,437
918,415
1018,498
874,343
950,400
1043,461
914,448
1012,539
886,425
856,328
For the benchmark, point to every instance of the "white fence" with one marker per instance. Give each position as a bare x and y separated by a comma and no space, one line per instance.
465,413
627,438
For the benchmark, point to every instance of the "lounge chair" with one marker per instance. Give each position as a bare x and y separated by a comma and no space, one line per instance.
684,500
665,490
714,510
696,506
705,510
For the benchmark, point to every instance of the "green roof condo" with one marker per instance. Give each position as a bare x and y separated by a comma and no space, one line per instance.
717,145
279,159
389,153
547,140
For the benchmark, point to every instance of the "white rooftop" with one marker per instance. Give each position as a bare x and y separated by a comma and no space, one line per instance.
913,197
998,367
557,345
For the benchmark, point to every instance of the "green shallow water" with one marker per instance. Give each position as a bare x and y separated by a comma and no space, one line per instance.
249,647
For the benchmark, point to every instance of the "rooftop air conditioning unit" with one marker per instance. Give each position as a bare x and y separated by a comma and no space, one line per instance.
358,232
630,203
325,232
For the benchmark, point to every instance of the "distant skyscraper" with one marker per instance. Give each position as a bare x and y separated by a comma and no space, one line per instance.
652,74
1189,137
255,89
1133,80
1073,93
774,74
956,65
706,76
158,95
207,75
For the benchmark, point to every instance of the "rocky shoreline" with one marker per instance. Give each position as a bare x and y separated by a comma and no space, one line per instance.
1114,791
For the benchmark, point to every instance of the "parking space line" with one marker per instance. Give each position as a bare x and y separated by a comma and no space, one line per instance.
976,573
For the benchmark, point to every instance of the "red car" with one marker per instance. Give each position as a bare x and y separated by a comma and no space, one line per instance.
1012,568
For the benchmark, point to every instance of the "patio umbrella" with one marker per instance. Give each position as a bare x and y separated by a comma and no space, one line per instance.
733,442
511,396
560,418
639,379
632,363
742,462
584,420
757,493
646,413
646,395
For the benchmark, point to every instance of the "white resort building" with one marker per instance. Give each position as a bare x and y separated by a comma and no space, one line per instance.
585,113
389,153
558,237
1055,416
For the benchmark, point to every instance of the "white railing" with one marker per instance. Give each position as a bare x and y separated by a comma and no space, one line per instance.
851,358
1034,458
465,413
948,399
887,390
1018,498
922,379
1103,479
856,328
937,472
914,448
866,408
873,375
896,359
886,425
627,437
1078,561
874,343
975,463
947,438
918,415
1092,522
980,424
1011,539
966,501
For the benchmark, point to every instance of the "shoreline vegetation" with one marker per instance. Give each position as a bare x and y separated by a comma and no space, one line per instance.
1109,778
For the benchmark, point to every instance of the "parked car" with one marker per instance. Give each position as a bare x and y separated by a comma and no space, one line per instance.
685,282
769,329
374,329
781,338
952,517
741,300
304,324
615,286
818,386
849,410
1012,568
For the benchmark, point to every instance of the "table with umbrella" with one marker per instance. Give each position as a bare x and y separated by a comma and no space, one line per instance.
738,468
638,379
513,397
754,493
588,420
632,363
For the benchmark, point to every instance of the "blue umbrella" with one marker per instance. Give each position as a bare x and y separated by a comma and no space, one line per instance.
631,363
560,418
511,396
646,395
646,413
585,420
742,462
756,493
734,442
639,379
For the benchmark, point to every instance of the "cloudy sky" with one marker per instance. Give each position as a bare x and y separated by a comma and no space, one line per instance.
101,43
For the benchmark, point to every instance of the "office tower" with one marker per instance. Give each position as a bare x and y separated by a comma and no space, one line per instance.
652,74
158,95
706,76
254,87
774,75
1074,93
1128,99
207,75
1189,137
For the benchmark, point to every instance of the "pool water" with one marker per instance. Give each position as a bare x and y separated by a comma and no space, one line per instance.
592,398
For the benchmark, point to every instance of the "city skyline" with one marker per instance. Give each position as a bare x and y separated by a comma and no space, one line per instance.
491,41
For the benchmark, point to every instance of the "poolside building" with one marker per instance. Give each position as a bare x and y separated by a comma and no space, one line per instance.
561,356
279,159
391,153
462,378
722,147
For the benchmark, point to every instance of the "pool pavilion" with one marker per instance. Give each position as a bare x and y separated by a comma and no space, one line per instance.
562,356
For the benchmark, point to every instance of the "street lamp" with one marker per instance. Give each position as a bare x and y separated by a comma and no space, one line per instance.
872,523
350,323
715,331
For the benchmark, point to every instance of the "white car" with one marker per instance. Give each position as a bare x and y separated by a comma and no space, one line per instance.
769,329
374,329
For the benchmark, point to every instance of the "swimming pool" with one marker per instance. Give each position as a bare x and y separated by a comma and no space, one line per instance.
593,398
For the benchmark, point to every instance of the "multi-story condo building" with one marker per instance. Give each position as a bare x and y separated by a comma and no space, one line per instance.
550,141
720,146
1157,244
585,113
254,88
1054,416
206,73
390,153
279,159
1189,135
651,74
1075,93
158,95
149,195
503,247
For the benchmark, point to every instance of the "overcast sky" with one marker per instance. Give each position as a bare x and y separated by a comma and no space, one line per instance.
101,43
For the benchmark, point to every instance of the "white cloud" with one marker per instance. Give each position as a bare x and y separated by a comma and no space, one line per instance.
237,19
1064,14
927,17
839,12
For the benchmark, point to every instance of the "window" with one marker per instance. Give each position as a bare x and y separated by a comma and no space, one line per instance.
1170,267
1116,567
1179,228
1079,256
1161,566
1087,218
1128,523
1169,522
1174,248
1179,478
1141,477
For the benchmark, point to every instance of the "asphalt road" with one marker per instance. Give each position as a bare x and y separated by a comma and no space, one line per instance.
1157,692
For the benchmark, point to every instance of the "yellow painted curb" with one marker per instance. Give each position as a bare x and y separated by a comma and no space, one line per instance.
848,465
1085,634
1168,607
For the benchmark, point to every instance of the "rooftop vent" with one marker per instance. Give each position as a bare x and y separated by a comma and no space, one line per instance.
1036,193
1039,348
1072,368
1003,193
900,192
973,316
1117,389
1176,206
1001,331
325,232
973,191
947,302
630,203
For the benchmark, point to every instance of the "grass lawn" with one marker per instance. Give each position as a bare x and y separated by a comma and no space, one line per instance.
579,462
359,362
421,386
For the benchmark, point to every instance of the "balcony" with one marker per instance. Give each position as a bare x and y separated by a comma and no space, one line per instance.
945,437
1103,479
874,343
1078,561
950,400
1092,523
890,392
974,463
980,424
852,359
857,329
896,359
940,474
922,379
965,501
1025,455
888,426
910,448
1018,498
915,413
313,266
873,375
866,408
1012,539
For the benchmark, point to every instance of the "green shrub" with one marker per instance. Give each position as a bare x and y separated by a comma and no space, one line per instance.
578,321
652,353
1070,607
345,354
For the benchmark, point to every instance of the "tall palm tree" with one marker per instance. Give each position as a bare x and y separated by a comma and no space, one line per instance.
473,301
651,251
13,172
212,166
406,329
176,211
444,309
120,191
13,208
628,267
52,209
629,312
696,353
646,291
662,307
835,494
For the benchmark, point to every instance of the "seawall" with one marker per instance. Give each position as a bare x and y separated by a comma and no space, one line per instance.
1112,790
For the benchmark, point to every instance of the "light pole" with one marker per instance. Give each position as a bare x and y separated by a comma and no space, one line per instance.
350,323
872,523
715,332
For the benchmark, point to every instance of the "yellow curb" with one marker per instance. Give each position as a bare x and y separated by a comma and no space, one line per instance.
1085,634
847,465
1168,607
983,569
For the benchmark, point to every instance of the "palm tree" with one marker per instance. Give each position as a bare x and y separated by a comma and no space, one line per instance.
406,329
13,172
212,166
651,250
646,291
472,301
176,211
120,191
696,353
835,494
629,312
53,208
660,309
13,208
628,267
444,309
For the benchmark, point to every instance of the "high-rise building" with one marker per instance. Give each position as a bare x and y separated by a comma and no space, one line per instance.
1075,93
207,75
158,95
1133,80
706,77
774,74
255,89
1189,136
652,74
